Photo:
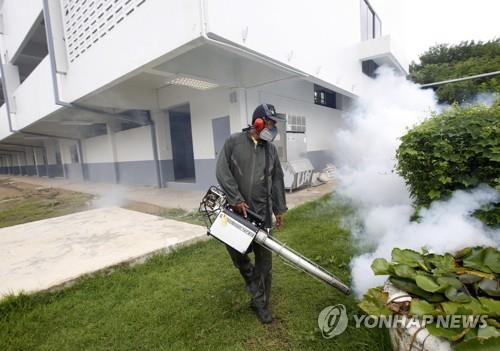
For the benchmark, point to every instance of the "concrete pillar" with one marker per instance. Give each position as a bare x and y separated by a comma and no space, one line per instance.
238,110
50,147
30,162
19,164
35,161
11,164
24,162
41,167
79,151
110,129
164,144
60,146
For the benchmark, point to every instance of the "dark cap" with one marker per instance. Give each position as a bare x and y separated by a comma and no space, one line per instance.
266,111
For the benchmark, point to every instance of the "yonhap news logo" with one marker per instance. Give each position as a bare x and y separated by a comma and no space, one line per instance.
332,321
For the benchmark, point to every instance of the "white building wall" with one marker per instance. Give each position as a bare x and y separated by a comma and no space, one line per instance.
320,38
97,149
18,18
134,145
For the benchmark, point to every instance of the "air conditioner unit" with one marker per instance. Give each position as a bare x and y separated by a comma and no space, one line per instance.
292,151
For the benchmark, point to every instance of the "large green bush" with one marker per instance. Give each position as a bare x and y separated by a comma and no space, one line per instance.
456,149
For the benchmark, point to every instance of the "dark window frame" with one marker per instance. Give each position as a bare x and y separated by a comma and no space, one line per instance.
325,97
373,33
369,68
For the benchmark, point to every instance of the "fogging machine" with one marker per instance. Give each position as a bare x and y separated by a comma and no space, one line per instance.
239,233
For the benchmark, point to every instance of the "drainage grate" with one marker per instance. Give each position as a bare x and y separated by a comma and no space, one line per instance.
87,21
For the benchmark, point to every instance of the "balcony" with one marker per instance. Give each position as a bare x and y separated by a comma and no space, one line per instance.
34,98
19,19
383,51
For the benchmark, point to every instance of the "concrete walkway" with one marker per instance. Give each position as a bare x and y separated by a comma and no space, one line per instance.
117,194
42,254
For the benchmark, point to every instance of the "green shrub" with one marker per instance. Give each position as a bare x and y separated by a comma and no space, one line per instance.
456,149
443,62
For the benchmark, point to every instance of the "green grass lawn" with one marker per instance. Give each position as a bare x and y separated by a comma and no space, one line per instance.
194,299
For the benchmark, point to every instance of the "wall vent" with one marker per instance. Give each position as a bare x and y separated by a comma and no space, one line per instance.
87,21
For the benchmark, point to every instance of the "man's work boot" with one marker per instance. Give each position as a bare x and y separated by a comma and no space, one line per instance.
263,314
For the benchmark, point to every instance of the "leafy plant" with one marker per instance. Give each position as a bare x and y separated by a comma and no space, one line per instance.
456,149
465,284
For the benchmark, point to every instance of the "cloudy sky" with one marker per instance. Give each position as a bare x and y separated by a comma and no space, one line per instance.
423,23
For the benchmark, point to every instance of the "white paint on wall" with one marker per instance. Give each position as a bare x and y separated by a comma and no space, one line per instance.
134,144
97,149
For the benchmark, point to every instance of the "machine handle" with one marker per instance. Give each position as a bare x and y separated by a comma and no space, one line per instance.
254,215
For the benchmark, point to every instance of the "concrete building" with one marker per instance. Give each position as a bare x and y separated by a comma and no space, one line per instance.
145,92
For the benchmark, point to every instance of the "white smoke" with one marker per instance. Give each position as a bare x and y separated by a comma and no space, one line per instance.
114,196
484,99
365,155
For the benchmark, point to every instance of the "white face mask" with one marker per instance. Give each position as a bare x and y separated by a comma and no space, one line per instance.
268,134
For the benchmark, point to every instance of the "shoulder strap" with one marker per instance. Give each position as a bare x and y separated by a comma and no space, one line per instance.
268,218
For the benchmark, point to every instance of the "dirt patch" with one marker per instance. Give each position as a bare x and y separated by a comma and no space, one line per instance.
10,190
22,202
178,214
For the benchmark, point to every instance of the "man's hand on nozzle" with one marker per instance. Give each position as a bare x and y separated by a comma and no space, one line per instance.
241,208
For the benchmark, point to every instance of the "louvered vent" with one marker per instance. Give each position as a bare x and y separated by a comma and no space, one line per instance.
296,123
87,21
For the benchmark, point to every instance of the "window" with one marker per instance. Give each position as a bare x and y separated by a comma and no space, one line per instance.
95,130
136,116
324,97
125,125
369,67
371,26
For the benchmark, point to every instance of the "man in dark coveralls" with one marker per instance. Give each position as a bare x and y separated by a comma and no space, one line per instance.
241,174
